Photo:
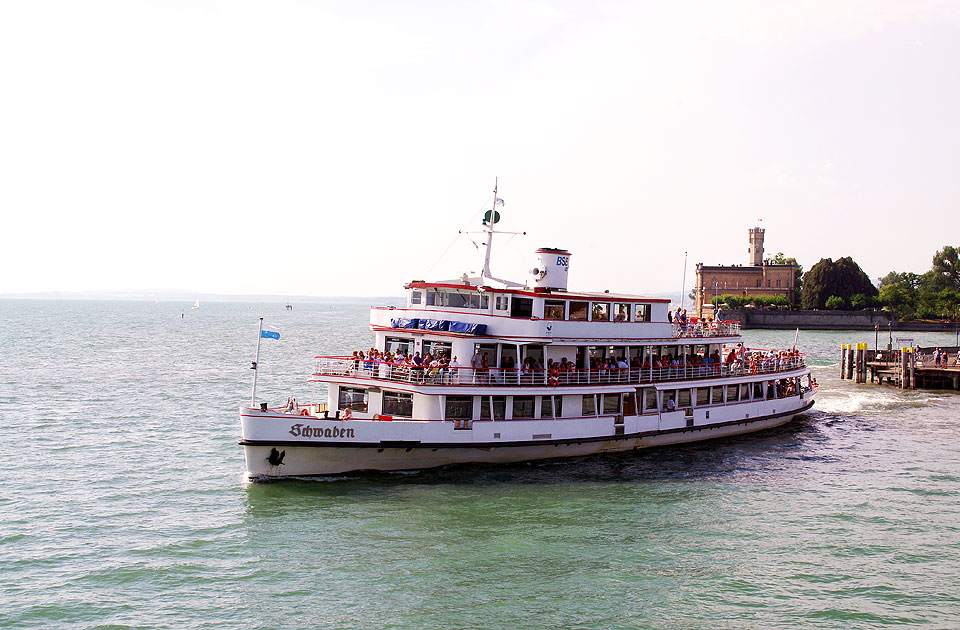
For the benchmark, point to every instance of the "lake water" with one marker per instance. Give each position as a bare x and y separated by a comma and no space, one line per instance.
122,500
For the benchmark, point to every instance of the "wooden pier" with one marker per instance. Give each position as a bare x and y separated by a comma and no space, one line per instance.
906,368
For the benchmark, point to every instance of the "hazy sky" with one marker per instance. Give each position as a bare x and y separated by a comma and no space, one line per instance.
336,148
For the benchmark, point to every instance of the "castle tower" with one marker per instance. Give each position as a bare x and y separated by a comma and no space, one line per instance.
756,247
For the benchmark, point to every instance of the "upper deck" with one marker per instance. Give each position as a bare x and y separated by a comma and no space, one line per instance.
541,315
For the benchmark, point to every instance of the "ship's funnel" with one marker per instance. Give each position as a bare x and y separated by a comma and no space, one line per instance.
552,268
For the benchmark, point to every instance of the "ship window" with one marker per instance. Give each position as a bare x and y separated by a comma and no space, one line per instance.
621,312
589,405
717,393
733,393
503,302
683,398
551,407
522,307
703,396
745,392
353,398
601,312
437,348
484,302
578,311
459,408
461,300
397,404
398,344
611,403
523,406
553,309
758,391
432,298
499,404
415,297
649,398
641,313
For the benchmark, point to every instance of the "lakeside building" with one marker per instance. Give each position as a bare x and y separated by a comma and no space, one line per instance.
756,278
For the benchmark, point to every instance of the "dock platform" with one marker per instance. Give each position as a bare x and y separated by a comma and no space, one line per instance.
906,368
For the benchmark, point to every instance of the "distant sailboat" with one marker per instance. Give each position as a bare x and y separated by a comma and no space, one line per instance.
196,303
156,299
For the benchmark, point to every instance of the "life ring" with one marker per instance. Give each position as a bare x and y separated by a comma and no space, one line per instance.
554,379
304,412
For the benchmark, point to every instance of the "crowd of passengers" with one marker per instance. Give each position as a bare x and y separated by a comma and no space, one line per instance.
440,367
697,326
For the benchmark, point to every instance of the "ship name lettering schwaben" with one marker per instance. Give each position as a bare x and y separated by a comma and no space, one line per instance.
302,430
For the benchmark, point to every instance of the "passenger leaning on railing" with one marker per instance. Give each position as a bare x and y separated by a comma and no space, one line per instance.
485,368
509,366
357,356
454,374
526,371
566,367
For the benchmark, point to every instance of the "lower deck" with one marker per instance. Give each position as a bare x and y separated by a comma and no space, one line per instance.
363,402
496,419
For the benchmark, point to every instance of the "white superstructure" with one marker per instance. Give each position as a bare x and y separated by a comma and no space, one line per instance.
539,372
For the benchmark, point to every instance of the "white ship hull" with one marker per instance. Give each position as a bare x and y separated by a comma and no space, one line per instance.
333,447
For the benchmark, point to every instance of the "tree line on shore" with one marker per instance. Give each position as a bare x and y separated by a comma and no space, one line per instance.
842,285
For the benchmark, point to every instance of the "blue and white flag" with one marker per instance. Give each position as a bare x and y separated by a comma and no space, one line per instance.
499,201
269,332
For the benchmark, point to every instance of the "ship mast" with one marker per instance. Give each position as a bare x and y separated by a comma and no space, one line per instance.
489,218
489,221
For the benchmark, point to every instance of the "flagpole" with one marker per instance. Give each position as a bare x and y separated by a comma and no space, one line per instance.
256,367
683,287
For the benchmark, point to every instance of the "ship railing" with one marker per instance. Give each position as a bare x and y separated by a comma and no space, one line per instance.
699,327
457,376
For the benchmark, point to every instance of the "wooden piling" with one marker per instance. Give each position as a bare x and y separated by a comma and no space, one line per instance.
904,374
850,363
861,364
913,370
843,361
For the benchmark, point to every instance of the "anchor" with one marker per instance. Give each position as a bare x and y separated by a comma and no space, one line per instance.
276,457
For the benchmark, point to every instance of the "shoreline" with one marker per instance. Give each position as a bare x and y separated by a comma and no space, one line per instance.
761,319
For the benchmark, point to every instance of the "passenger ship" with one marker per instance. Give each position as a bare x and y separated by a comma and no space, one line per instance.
560,403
